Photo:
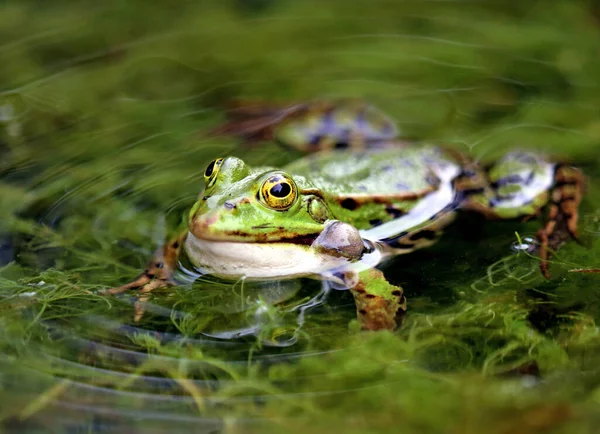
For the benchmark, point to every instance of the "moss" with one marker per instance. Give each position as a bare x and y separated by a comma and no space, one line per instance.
103,119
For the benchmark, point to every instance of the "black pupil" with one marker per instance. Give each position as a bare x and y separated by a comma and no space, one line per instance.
209,169
281,190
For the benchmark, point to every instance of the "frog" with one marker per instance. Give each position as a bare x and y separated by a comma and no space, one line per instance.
359,197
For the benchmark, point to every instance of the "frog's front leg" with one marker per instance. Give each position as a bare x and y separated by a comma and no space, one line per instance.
158,274
379,304
521,184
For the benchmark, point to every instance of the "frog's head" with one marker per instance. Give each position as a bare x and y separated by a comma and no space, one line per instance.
264,223
256,205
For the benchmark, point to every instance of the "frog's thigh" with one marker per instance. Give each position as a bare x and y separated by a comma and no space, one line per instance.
379,304
520,185
517,185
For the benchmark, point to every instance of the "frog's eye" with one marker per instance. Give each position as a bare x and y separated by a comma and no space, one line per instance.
278,192
210,174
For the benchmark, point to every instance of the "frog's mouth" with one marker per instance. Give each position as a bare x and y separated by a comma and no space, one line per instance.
259,260
274,237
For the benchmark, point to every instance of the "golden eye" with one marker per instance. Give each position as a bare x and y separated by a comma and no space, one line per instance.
279,192
210,174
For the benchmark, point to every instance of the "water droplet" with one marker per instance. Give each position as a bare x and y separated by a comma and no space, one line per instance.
527,244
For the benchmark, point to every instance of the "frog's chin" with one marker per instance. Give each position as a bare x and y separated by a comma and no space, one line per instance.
277,260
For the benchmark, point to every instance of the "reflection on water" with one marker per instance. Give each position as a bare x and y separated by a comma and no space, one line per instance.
95,371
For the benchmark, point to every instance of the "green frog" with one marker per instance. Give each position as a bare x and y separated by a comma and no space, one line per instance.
359,198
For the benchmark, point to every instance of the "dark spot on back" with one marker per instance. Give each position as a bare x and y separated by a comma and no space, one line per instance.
370,296
362,311
394,212
176,244
375,222
349,204
426,234
341,145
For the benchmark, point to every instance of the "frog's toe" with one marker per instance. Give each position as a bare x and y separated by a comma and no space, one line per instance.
143,284
154,277
158,272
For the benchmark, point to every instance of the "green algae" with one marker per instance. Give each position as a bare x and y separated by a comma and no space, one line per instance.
103,114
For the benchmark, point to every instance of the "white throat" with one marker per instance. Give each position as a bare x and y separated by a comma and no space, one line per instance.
259,260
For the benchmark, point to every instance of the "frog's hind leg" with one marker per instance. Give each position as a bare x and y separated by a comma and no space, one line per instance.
563,213
254,121
313,126
520,185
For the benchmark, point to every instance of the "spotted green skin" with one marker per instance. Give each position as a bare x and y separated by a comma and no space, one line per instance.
363,177
364,189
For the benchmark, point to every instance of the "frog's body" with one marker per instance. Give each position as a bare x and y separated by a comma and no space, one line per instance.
337,213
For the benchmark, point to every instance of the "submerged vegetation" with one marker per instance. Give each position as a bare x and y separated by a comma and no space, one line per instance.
104,111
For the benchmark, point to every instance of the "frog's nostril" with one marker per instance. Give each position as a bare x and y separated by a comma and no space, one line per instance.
229,205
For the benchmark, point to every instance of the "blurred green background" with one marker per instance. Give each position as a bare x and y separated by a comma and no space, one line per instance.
104,108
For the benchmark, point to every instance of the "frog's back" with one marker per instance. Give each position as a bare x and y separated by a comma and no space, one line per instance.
406,171
390,194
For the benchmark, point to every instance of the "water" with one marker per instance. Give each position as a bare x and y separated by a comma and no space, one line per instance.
103,118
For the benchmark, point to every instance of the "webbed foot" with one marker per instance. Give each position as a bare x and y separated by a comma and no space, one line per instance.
158,274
